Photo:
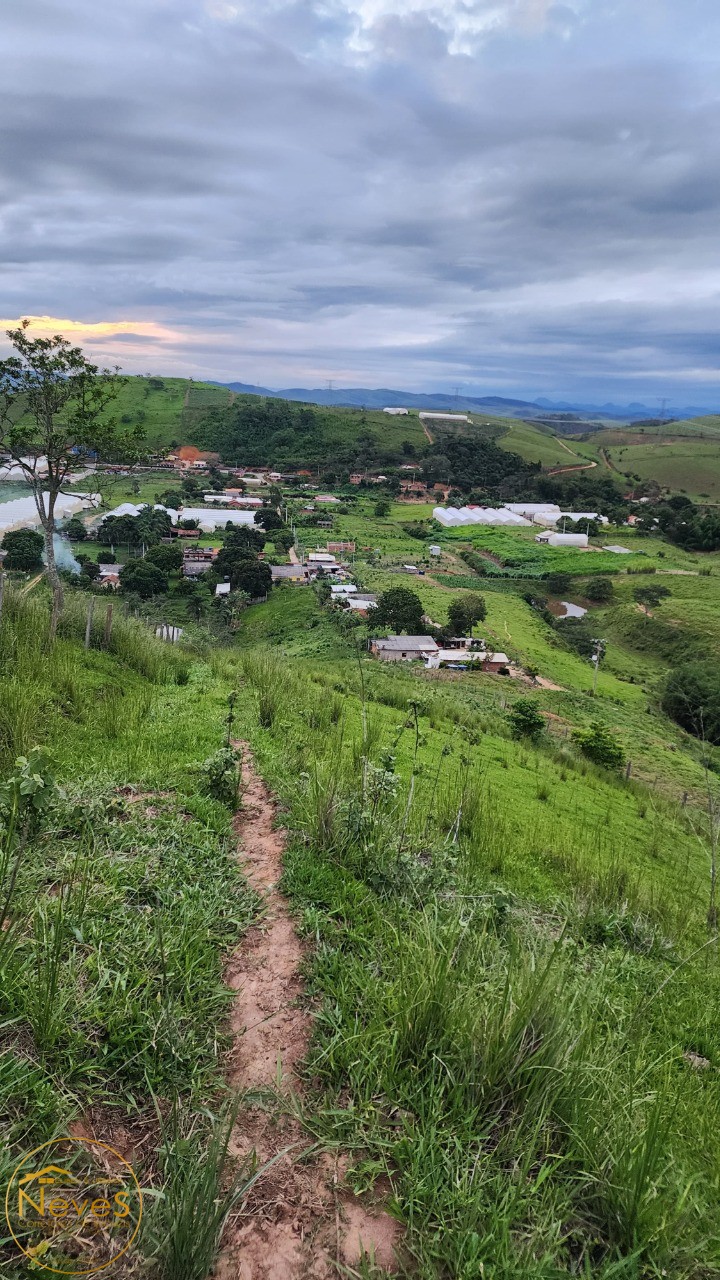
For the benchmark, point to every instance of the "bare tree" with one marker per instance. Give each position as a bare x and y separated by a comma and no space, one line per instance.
54,415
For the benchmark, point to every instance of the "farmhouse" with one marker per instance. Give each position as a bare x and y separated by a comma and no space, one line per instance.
403,648
197,560
109,576
496,662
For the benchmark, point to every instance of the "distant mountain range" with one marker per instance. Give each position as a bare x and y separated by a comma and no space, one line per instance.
381,397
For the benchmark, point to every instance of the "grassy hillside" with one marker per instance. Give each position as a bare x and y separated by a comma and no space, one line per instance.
679,456
172,411
507,966
504,952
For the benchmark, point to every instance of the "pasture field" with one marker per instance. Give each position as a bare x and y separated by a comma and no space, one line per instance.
435,864
690,466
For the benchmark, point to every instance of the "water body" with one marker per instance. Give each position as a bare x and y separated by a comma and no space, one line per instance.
9,492
565,609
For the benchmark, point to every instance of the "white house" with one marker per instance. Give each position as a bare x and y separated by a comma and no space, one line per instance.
342,589
222,589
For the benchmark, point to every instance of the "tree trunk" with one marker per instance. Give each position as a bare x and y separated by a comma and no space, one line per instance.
53,576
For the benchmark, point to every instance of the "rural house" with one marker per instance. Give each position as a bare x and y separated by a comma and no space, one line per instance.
403,648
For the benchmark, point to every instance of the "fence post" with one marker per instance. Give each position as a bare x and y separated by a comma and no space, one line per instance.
108,624
628,770
88,624
2,591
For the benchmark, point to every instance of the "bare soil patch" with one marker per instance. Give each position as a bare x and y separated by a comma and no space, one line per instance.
298,1222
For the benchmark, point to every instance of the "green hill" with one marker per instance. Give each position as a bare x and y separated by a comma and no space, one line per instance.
175,411
681,456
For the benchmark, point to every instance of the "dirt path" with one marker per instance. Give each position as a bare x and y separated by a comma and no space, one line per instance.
299,1223
428,437
583,466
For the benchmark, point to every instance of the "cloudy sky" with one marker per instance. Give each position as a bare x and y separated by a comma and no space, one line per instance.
510,196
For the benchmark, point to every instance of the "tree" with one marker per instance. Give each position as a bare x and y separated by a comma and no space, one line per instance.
90,570
143,579
558,583
651,596
526,721
268,519
465,611
200,601
600,746
243,535
167,558
400,610
283,539
170,498
599,589
75,530
24,549
54,415
692,699
252,576
382,508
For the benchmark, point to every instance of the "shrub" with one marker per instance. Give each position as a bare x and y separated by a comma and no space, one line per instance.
600,746
599,589
221,775
692,699
526,721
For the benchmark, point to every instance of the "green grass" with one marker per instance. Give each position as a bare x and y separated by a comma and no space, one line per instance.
120,885
496,932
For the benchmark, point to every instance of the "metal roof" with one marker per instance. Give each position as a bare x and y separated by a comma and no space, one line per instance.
403,643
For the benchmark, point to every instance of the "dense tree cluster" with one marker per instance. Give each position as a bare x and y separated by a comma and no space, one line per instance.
693,528
148,528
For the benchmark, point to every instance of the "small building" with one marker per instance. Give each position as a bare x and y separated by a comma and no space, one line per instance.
410,568
337,548
222,589
435,550
357,477
198,560
361,604
342,589
397,413
109,576
321,558
496,663
403,648
289,573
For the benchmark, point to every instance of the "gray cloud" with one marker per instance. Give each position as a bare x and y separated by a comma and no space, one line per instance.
383,191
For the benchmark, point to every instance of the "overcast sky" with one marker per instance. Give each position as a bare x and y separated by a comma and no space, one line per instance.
510,196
